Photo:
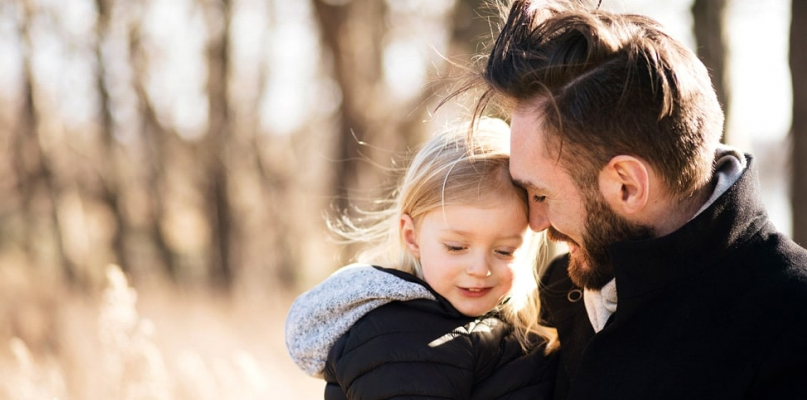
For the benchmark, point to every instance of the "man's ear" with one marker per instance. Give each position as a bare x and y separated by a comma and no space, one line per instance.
625,184
409,235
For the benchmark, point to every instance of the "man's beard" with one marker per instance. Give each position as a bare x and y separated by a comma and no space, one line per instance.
591,266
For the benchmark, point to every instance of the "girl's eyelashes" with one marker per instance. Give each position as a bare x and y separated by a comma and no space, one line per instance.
454,247
505,253
538,199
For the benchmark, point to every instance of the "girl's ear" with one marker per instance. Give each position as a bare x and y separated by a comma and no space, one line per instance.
409,235
625,184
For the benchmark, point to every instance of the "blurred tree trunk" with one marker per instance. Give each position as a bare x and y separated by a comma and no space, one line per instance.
346,29
26,152
32,163
157,144
109,158
275,175
277,184
351,33
709,26
798,72
215,145
472,30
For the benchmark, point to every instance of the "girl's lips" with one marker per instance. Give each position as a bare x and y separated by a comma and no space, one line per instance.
474,292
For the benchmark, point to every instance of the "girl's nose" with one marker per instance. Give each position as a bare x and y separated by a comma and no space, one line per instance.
478,267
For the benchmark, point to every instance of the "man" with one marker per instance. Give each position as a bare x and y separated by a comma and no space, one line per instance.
676,285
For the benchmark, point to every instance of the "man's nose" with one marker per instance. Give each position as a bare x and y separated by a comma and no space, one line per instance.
539,220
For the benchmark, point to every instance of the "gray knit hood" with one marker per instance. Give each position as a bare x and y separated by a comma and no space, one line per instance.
320,316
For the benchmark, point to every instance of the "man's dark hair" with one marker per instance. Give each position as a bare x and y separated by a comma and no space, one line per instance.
606,84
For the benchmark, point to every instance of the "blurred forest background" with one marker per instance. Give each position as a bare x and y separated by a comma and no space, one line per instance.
166,167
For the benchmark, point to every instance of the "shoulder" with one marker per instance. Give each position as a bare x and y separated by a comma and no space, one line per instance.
778,269
792,257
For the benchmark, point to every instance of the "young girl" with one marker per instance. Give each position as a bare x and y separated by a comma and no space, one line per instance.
455,313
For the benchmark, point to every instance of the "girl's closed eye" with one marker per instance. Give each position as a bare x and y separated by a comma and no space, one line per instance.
452,247
507,253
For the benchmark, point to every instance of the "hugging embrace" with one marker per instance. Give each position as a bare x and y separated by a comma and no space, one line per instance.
676,284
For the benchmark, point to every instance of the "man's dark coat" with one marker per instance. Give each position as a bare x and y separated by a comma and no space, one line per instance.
715,310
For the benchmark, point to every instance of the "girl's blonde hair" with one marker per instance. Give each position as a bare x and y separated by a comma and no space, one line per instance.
454,168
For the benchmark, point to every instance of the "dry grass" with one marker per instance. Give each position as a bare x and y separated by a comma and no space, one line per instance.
148,344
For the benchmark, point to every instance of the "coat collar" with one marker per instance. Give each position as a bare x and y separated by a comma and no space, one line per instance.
645,266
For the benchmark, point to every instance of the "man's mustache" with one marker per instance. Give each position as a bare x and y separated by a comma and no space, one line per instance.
555,236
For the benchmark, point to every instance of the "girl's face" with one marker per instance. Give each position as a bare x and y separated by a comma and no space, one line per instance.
468,251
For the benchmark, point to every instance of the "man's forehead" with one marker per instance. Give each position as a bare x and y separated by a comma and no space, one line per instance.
528,173
526,136
531,164
526,125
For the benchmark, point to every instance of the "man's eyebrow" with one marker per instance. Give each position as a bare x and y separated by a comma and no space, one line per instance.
525,184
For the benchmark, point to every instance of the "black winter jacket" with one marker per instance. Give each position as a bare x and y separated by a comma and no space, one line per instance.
425,349
715,310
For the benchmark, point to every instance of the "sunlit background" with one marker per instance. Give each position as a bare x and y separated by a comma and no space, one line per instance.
167,167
